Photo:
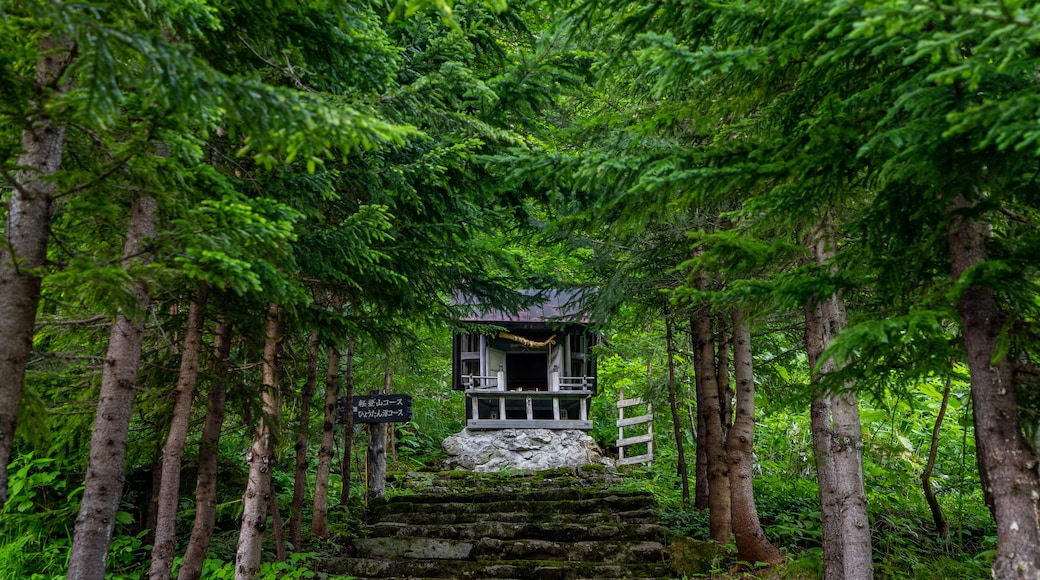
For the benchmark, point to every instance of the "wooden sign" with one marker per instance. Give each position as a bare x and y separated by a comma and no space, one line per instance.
382,409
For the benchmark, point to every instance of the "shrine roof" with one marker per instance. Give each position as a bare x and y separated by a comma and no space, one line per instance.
556,306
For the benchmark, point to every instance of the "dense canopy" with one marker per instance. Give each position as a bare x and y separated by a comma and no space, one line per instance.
222,216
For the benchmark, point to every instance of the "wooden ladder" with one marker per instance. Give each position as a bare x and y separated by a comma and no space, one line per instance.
648,437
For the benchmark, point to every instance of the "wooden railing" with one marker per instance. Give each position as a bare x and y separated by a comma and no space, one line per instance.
565,405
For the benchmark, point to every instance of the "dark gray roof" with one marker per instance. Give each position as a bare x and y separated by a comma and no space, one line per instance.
558,306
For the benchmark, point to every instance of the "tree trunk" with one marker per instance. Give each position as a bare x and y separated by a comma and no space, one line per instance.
722,378
165,542
837,442
677,425
152,514
276,525
377,439
348,428
942,529
820,419
260,459
700,489
752,545
376,459
1004,454
302,431
710,413
107,461
320,516
206,484
24,249
857,557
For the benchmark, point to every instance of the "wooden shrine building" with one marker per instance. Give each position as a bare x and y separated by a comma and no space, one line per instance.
538,373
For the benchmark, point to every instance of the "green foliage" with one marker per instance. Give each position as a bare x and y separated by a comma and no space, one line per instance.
299,566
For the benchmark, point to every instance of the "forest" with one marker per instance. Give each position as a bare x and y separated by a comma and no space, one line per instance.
806,230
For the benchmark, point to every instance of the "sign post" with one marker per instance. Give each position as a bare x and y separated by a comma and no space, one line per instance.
376,410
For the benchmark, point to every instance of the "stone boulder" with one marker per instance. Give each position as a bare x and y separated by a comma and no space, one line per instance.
522,449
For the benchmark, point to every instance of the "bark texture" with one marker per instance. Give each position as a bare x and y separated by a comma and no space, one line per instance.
348,428
837,442
942,529
277,536
302,438
676,423
107,461
24,249
260,459
709,413
320,511
1007,459
820,419
206,483
722,380
377,440
165,542
376,462
752,545
847,448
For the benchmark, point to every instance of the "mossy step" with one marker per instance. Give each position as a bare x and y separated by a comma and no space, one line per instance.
566,477
528,495
560,531
527,569
647,515
612,503
420,548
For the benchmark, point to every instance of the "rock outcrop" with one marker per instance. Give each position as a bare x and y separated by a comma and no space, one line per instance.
522,450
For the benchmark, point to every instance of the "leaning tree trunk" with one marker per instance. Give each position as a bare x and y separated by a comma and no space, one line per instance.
1005,456
710,414
24,249
302,432
676,423
107,461
206,483
320,515
260,458
348,427
165,542
752,545
942,529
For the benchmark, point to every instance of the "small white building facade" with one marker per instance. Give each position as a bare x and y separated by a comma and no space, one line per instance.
537,373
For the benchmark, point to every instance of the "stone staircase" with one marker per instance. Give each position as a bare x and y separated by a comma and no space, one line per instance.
558,525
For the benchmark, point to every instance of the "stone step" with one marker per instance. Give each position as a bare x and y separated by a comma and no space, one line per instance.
563,525
506,493
608,503
522,528
453,481
420,548
639,516
504,569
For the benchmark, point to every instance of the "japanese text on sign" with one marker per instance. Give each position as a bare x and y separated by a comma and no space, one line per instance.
382,409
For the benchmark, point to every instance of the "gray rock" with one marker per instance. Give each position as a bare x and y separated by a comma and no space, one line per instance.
522,449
